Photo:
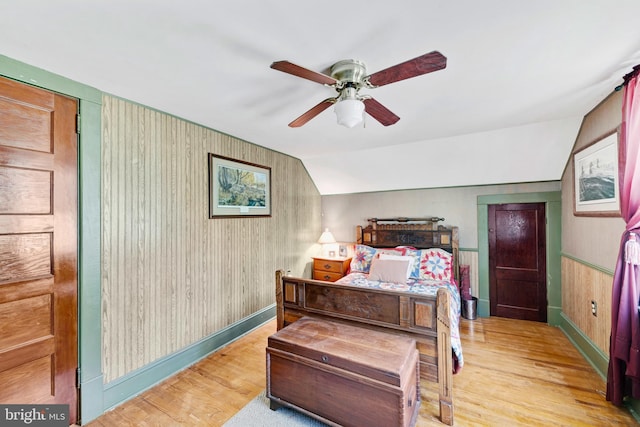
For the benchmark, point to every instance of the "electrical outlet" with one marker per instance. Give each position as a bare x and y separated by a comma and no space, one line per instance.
594,308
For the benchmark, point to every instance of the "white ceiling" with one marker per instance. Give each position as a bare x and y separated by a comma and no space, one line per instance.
507,108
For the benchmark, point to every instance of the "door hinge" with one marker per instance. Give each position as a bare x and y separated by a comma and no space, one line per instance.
78,378
78,124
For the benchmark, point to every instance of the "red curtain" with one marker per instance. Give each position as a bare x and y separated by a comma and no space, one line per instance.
623,377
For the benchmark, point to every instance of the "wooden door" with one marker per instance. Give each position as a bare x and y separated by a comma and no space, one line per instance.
38,247
517,261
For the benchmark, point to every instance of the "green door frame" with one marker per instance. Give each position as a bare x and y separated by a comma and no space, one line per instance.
553,201
89,222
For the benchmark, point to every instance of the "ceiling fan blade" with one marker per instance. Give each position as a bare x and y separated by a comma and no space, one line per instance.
314,111
424,64
305,73
380,112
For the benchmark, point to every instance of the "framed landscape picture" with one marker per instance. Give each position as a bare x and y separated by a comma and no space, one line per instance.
595,178
238,188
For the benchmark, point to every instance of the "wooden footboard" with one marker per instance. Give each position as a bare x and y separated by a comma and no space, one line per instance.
424,318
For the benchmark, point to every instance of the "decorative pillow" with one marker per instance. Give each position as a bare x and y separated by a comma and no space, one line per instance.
389,270
416,254
435,264
409,259
362,256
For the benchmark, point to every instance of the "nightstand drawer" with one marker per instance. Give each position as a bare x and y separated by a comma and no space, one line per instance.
327,276
330,265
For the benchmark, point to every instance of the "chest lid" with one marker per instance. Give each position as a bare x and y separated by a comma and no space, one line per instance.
373,354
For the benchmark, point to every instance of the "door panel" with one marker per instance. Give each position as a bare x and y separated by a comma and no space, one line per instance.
25,191
517,261
38,247
28,382
24,256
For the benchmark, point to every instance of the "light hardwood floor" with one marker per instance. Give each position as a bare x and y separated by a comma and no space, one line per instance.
516,373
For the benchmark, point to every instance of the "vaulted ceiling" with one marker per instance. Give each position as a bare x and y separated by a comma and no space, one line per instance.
520,76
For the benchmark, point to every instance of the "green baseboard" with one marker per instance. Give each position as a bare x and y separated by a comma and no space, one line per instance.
484,309
554,315
134,383
595,357
634,407
91,403
585,346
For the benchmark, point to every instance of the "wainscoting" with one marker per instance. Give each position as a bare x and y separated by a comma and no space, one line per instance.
581,284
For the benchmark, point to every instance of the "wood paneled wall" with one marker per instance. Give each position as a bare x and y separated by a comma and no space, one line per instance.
171,276
582,284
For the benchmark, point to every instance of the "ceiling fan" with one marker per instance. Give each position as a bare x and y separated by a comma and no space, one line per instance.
349,76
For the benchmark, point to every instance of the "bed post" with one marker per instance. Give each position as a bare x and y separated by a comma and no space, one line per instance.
445,355
279,300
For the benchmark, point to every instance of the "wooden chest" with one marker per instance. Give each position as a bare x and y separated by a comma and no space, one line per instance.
343,374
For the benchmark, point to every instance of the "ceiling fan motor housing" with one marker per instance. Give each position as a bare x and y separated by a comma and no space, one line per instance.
349,71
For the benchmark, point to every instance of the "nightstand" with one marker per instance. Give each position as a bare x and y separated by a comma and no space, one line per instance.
330,269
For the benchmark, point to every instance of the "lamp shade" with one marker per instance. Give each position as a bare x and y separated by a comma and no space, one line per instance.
326,237
349,112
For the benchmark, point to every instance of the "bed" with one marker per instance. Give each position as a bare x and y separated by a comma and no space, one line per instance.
424,306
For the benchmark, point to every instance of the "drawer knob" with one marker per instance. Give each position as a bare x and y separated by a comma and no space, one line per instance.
325,358
327,266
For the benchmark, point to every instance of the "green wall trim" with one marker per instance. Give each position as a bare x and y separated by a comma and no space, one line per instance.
634,407
89,222
588,264
483,308
585,346
91,399
90,261
38,77
134,383
554,316
554,262
553,201
546,196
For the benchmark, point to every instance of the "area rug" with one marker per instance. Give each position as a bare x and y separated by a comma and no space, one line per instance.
257,414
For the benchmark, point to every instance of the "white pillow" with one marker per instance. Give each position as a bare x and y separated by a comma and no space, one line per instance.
400,258
388,270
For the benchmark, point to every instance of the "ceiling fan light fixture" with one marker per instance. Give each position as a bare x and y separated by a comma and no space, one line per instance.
350,112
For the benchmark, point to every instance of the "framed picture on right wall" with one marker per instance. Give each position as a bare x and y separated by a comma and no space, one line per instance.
595,178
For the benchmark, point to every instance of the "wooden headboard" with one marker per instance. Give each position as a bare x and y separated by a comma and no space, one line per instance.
421,233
